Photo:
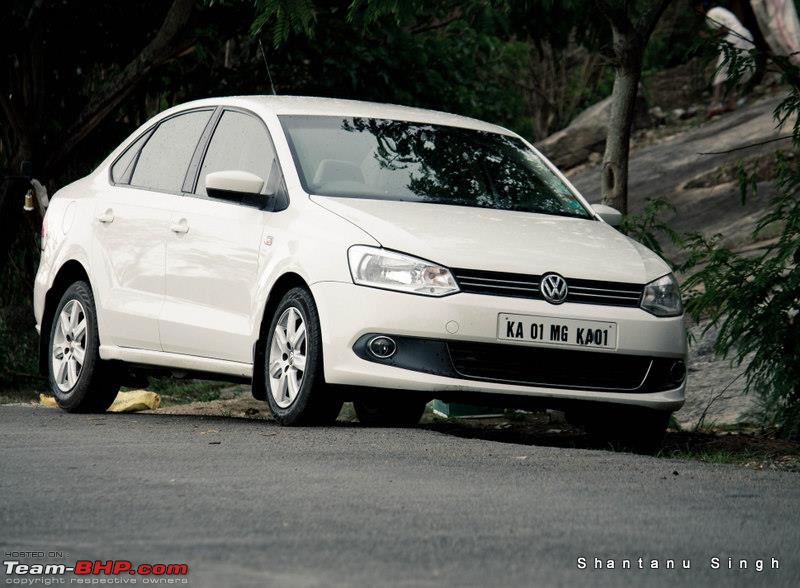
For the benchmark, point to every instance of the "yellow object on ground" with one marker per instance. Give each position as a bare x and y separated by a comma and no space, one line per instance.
132,401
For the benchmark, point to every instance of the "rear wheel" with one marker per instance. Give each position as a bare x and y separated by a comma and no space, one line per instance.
296,389
79,379
377,410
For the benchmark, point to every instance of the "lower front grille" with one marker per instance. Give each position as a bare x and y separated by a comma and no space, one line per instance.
530,366
552,368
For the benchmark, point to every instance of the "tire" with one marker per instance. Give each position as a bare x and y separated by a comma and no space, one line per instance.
635,429
394,411
79,380
293,370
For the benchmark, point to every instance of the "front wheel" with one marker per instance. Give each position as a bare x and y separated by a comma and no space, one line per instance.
296,389
79,380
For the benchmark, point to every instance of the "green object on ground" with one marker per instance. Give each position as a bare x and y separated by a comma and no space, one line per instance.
458,410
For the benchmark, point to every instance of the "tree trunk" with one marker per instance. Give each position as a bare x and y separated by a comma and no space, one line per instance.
615,160
630,36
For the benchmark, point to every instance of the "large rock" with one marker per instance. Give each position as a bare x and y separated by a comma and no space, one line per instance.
586,134
573,145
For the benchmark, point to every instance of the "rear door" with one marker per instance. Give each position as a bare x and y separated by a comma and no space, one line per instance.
132,225
213,257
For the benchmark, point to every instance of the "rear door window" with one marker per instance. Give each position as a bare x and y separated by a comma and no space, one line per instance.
122,168
164,159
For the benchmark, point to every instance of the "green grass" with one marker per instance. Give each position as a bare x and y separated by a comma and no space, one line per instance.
722,456
179,391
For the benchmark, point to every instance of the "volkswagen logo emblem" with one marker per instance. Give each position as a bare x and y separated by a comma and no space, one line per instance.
554,288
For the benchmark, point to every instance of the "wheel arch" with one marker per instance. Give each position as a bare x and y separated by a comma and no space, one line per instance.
72,271
282,285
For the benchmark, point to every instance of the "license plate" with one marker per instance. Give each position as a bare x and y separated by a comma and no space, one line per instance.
557,331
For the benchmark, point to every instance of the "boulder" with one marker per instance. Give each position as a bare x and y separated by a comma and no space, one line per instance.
586,134
573,145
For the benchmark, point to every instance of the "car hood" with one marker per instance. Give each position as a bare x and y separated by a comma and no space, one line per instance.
500,240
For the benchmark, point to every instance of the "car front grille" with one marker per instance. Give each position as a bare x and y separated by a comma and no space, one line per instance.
559,368
527,286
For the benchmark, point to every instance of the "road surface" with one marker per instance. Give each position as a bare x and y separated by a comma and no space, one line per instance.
246,503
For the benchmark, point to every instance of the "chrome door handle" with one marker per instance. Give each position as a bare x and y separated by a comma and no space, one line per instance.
180,227
106,217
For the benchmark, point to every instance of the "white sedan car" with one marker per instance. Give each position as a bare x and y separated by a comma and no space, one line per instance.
332,250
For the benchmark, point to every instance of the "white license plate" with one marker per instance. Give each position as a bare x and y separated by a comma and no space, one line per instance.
557,331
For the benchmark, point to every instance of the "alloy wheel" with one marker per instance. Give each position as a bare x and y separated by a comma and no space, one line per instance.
287,357
69,345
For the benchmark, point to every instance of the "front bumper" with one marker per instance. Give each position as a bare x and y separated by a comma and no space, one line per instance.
348,312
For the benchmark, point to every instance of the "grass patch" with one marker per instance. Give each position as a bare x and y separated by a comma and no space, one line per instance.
181,391
743,446
717,456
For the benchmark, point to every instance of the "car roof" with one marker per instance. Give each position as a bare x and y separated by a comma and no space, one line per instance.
305,105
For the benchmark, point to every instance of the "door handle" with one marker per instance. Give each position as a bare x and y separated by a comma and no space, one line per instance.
180,227
106,217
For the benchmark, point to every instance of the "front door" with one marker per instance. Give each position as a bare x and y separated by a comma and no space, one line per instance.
214,251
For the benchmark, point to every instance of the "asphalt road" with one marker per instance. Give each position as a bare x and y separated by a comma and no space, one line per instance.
246,503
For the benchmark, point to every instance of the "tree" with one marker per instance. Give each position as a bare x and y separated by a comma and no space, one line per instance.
69,69
32,47
753,298
631,30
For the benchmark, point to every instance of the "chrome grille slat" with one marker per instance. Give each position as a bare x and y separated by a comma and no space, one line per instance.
584,289
496,281
630,297
465,283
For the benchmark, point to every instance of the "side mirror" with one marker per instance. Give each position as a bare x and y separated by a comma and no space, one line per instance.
234,185
610,215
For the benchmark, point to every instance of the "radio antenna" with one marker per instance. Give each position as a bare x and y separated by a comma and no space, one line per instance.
266,64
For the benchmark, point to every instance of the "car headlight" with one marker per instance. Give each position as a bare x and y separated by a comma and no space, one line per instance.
662,297
380,268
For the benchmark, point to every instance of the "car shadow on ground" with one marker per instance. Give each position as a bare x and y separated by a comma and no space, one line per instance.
750,447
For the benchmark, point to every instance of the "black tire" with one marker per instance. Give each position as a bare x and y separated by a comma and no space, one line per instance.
379,410
315,403
635,429
96,386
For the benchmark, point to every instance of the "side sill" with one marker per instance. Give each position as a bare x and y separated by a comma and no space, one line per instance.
176,361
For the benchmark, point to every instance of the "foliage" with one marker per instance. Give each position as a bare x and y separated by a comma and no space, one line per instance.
285,17
18,344
675,39
754,300
649,228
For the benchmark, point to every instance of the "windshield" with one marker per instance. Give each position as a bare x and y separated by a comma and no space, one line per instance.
417,162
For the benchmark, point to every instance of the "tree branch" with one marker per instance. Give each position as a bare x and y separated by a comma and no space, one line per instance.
438,24
616,13
163,47
748,146
10,115
646,23
35,6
